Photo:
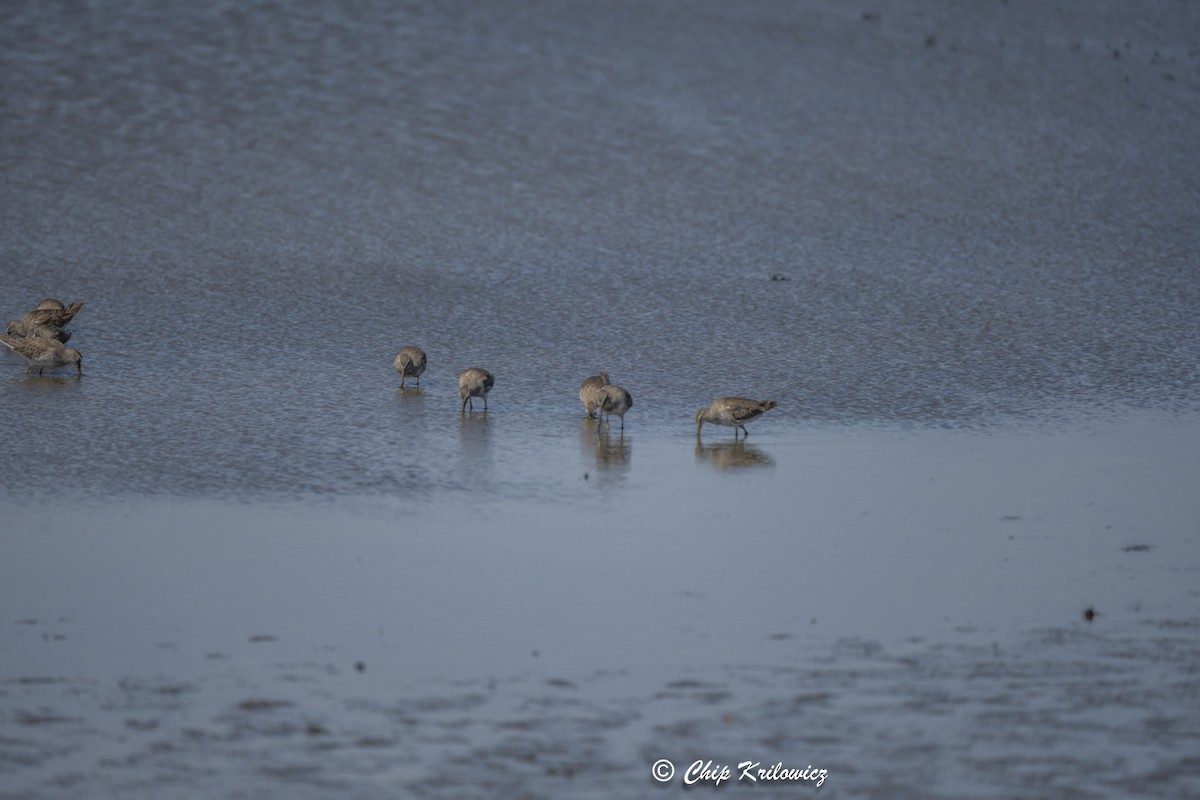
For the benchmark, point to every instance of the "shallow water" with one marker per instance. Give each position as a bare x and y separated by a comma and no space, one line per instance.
983,337
904,610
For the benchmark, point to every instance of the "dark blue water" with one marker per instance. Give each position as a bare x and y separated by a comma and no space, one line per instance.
981,216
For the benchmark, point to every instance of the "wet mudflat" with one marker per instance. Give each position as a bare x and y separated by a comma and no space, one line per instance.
903,609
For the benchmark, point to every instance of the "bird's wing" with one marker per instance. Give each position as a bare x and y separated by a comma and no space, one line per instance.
32,348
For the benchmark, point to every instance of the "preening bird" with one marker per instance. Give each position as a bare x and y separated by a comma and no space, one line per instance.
613,400
410,363
472,383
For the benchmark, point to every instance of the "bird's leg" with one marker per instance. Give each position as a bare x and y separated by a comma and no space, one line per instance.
745,431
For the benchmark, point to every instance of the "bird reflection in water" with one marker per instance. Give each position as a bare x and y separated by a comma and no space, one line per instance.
413,397
733,455
474,432
48,382
612,451
475,447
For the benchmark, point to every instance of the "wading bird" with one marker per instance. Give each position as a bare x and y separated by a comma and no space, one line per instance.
410,362
43,353
613,400
590,394
474,382
732,411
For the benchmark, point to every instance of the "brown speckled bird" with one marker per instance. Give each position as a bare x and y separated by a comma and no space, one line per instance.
410,362
472,383
43,353
613,400
46,314
734,412
589,392
48,332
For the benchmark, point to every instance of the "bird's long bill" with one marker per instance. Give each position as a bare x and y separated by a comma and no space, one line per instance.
699,425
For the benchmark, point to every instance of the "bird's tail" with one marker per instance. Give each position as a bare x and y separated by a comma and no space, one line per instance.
68,313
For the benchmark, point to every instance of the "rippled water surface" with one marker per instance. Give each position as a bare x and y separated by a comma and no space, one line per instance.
957,245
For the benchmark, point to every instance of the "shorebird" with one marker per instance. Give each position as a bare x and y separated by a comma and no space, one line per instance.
37,331
474,382
54,317
43,353
732,411
410,361
613,400
18,328
589,392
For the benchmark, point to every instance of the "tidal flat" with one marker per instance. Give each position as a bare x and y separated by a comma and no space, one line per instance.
956,244
864,602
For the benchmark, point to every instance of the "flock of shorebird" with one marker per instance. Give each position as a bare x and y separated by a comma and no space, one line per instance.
40,336
601,399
